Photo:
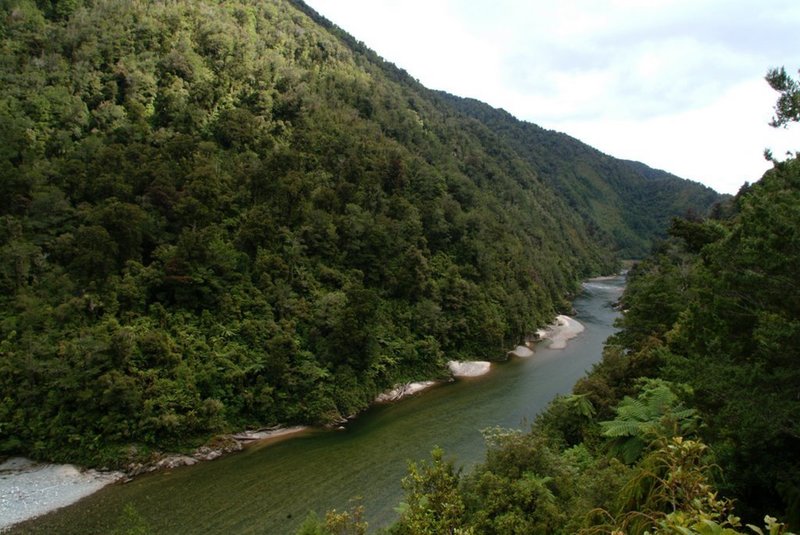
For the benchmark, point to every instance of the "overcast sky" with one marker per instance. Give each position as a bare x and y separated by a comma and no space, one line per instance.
676,84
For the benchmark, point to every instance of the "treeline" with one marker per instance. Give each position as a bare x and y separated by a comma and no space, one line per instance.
217,216
221,215
691,422
624,204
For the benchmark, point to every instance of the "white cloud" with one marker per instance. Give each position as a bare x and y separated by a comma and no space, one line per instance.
720,144
677,84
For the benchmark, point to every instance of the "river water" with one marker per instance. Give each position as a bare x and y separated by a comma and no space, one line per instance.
271,488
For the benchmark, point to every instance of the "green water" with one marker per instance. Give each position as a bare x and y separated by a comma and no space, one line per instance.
271,488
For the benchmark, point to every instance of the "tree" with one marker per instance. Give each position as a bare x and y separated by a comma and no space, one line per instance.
655,413
787,108
433,502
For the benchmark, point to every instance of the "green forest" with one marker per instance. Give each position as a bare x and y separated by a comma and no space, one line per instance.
688,426
227,215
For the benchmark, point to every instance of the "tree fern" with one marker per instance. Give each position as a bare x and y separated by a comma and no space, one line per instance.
656,412
621,428
579,403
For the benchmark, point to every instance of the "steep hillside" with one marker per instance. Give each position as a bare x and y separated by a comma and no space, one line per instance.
625,204
690,423
215,215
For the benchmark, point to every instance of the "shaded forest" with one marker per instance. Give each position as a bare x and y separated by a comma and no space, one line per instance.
689,425
222,215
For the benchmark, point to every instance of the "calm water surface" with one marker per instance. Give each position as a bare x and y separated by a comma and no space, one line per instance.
271,488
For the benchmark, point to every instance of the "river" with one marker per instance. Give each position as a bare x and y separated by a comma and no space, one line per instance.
271,488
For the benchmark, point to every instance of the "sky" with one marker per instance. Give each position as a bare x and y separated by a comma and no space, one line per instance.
676,84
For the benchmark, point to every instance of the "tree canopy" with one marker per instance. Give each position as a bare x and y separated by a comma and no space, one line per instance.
221,215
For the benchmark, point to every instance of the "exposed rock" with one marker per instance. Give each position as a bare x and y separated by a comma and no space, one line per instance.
174,461
473,368
563,330
204,453
403,391
521,351
262,434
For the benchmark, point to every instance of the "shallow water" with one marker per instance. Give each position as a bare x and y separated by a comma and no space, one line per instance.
271,488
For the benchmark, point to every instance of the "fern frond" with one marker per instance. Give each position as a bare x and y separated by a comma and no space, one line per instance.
634,409
631,449
661,397
620,428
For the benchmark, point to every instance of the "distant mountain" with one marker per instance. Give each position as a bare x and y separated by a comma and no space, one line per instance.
225,214
625,203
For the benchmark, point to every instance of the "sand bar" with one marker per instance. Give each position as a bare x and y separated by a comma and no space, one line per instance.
560,332
474,368
29,489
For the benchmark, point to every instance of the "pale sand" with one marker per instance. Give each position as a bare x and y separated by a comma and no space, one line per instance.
403,391
521,351
29,489
560,332
247,436
473,368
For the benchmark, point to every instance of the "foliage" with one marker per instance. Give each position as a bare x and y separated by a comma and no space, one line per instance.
670,488
625,204
336,523
736,342
787,109
656,413
708,333
221,215
716,308
432,503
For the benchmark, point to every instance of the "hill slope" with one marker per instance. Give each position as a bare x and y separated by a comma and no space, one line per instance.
625,204
215,215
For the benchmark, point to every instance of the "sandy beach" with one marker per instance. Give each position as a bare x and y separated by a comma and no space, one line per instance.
474,368
560,332
521,352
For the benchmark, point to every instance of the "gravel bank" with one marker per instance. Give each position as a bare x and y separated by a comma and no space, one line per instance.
29,489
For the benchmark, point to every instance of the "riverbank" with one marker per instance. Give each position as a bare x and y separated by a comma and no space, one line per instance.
458,369
274,487
19,501
562,331
29,489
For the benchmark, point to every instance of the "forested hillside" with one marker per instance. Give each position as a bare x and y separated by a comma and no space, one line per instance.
216,215
624,204
690,424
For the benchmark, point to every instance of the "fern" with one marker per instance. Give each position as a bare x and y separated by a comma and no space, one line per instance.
620,428
655,413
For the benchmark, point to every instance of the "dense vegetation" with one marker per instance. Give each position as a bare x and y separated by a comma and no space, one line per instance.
691,418
689,425
216,215
623,204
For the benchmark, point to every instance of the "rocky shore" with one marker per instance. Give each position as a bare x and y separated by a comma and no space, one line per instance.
29,489
216,448
457,368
